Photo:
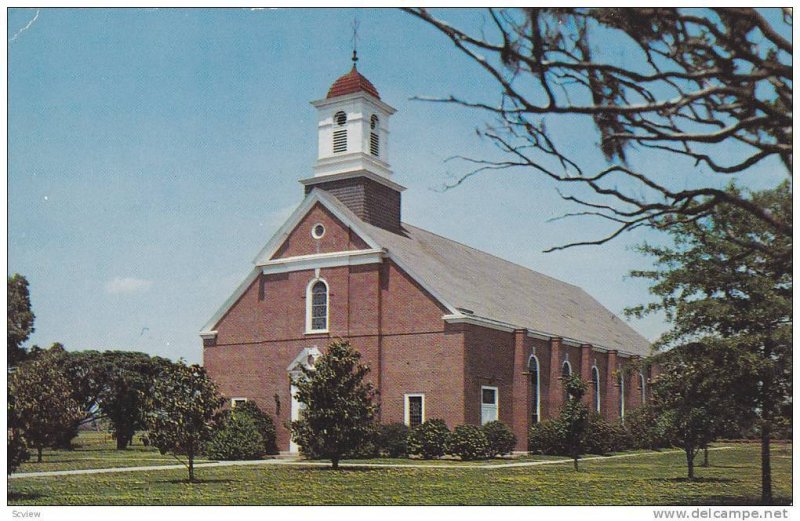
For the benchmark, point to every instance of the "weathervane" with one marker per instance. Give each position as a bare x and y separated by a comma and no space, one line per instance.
356,23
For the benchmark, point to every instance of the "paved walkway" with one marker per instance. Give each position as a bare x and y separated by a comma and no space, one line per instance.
485,466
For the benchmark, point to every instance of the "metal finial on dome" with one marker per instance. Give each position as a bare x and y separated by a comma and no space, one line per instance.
355,40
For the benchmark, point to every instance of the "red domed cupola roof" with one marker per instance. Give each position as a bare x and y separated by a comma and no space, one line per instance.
352,82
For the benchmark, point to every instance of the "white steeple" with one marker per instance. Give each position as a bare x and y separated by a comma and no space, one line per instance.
353,129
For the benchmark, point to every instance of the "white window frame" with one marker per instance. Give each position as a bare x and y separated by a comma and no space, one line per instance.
569,365
596,390
236,400
537,405
621,395
310,304
407,409
496,400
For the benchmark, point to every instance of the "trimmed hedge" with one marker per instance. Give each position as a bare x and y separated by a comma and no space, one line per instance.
263,421
500,437
468,442
236,438
392,440
429,439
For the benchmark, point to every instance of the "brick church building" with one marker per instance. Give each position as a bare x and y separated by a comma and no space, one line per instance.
448,331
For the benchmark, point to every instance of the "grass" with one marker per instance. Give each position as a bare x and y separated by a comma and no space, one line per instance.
97,450
649,479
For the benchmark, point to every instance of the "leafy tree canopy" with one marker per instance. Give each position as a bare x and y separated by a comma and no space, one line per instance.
43,401
20,318
339,411
180,411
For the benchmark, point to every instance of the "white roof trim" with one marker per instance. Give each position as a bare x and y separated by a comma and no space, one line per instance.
208,330
324,178
316,196
323,260
459,318
324,102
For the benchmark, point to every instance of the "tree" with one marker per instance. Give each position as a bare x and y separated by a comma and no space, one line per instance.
712,86
693,396
180,412
112,384
339,414
17,451
574,417
727,279
20,318
43,402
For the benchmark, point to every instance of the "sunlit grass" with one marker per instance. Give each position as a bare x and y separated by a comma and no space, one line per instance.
654,478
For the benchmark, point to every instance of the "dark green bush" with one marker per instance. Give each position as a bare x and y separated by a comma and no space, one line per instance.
236,438
468,442
547,437
643,428
392,440
369,447
263,421
501,439
429,439
601,436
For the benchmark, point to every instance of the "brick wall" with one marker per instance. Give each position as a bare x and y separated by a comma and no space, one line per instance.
371,201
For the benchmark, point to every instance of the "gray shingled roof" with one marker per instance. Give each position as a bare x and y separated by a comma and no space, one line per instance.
502,291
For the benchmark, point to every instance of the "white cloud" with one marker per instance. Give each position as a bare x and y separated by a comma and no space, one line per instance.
122,285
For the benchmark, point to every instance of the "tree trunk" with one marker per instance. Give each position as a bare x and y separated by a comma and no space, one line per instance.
575,463
705,457
335,462
766,469
690,462
766,426
38,454
122,442
190,456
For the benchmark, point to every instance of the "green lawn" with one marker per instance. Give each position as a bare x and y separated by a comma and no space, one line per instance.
96,450
653,478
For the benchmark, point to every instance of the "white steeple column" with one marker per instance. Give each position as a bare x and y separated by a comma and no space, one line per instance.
353,135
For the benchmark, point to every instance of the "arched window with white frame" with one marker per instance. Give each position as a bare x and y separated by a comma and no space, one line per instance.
621,384
596,388
533,370
317,306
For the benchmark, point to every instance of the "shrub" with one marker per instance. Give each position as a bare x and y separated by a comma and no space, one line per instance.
501,439
264,424
643,427
601,437
236,438
547,437
468,442
429,439
392,440
368,448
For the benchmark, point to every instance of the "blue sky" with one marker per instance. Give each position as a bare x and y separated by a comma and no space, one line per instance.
153,152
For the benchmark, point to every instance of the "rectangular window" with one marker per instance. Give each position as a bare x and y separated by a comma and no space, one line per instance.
489,407
339,141
319,312
415,409
374,144
237,401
